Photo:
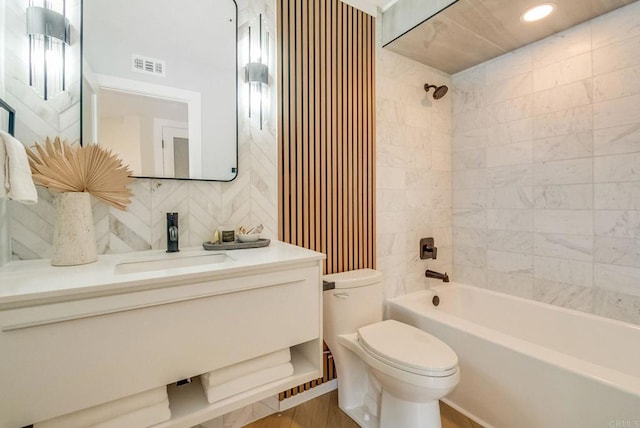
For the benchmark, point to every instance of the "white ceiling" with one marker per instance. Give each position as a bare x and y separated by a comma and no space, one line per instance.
118,104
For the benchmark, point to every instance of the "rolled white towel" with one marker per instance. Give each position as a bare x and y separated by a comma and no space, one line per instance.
225,374
247,382
16,182
145,417
107,411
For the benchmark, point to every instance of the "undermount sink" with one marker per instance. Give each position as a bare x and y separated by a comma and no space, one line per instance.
169,261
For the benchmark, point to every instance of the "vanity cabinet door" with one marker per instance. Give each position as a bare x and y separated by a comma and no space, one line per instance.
63,357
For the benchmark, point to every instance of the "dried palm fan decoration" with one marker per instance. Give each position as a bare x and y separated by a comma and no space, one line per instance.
93,169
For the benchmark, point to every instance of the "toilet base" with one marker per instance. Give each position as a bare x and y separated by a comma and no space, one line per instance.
362,417
398,413
395,412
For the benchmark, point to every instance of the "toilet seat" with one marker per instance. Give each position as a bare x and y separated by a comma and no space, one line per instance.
408,348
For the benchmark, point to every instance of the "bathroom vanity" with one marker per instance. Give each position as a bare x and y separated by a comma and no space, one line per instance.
75,337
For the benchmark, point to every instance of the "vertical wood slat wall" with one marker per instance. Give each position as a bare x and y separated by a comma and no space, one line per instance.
326,136
326,131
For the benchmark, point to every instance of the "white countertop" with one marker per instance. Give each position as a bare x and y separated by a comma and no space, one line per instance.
29,282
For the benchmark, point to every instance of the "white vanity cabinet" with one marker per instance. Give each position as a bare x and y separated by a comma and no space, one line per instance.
67,345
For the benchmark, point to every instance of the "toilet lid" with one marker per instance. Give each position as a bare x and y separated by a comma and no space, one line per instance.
408,348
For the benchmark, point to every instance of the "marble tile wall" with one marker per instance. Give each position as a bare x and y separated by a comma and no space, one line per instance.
546,176
203,206
413,161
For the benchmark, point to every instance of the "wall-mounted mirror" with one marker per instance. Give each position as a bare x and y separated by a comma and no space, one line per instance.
159,85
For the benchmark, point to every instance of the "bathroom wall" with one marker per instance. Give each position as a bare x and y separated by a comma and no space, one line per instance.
546,177
248,200
5,240
413,158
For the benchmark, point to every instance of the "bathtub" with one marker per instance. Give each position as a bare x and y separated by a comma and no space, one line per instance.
529,364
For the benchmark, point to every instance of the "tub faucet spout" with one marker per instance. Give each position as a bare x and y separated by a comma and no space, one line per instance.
436,275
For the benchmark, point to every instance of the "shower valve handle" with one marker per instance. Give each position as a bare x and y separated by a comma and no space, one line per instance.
428,250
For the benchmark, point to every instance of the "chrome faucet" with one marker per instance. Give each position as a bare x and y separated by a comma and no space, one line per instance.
172,233
436,275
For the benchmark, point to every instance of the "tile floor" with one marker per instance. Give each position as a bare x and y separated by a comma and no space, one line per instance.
323,412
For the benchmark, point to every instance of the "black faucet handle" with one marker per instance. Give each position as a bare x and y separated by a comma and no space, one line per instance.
173,218
433,251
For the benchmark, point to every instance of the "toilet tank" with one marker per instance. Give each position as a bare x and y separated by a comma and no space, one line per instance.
356,301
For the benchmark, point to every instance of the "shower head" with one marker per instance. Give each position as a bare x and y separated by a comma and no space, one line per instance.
439,92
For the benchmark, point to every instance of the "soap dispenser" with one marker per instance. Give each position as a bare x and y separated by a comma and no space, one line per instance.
172,233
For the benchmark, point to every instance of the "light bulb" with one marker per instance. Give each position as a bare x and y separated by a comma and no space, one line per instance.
53,59
537,12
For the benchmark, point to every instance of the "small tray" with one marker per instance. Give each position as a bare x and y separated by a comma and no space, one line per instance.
236,245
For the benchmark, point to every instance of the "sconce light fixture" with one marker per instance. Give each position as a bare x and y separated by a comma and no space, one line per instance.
48,30
257,70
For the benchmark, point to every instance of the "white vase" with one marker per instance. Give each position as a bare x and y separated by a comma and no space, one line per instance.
74,238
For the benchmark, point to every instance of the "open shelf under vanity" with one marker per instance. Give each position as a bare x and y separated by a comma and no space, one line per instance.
189,405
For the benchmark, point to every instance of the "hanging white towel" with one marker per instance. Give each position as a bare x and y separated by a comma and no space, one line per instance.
234,371
16,182
108,411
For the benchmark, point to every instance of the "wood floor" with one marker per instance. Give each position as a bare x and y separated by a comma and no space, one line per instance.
323,412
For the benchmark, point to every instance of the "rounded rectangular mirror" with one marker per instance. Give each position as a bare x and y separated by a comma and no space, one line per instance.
159,85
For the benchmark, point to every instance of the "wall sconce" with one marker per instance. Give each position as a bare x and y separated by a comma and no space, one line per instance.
48,30
257,70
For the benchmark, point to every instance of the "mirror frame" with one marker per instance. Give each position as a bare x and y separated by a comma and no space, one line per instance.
237,100
11,117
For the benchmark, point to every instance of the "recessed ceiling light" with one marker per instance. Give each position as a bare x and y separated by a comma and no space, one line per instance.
537,12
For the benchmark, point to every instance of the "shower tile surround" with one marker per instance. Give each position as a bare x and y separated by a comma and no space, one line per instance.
546,176
413,161
203,206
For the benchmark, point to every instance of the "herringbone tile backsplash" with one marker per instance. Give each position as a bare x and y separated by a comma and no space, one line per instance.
203,206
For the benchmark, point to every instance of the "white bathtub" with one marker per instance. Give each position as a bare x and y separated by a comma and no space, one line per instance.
529,364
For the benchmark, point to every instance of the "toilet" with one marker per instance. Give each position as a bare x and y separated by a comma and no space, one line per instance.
390,374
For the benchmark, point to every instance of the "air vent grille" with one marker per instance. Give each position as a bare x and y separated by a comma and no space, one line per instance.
146,65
